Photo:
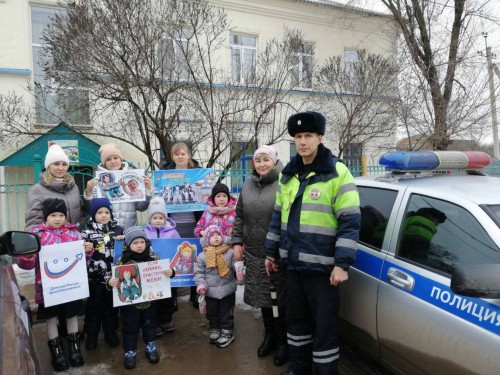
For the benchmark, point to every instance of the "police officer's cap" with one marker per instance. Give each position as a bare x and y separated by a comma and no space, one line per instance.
311,122
432,212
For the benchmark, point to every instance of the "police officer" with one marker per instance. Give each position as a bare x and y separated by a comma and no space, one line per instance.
419,230
313,232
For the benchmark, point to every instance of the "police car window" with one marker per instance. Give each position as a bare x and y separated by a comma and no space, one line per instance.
376,206
441,235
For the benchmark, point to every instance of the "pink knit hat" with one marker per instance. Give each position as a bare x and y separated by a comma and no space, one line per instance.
107,150
267,150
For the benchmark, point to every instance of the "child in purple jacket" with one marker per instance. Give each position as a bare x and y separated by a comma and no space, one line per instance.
161,226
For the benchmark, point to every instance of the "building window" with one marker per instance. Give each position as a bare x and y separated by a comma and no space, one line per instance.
302,70
173,53
54,104
351,58
243,57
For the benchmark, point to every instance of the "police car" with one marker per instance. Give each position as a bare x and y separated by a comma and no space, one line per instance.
429,248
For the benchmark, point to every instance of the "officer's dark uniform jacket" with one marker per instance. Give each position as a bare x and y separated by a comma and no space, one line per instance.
316,218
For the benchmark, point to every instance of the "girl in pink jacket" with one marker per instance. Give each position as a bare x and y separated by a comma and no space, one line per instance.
53,231
220,212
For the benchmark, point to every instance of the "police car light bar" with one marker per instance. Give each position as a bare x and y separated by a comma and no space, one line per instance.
434,160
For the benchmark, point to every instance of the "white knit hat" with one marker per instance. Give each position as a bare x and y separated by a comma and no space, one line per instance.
55,154
157,206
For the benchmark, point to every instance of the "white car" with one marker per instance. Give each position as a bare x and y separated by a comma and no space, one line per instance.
425,237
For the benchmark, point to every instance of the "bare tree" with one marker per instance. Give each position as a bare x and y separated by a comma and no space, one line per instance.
155,73
468,107
364,94
437,36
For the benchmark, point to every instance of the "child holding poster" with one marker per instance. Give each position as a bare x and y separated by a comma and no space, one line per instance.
56,230
161,226
137,249
124,212
215,279
99,235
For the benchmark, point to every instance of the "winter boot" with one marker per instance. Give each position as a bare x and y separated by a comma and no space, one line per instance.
269,342
225,339
152,353
91,342
75,353
111,339
214,335
59,362
281,354
129,362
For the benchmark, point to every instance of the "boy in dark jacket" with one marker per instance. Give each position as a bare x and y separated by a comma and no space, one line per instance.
138,249
99,235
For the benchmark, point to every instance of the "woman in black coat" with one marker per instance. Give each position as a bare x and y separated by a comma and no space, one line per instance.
253,215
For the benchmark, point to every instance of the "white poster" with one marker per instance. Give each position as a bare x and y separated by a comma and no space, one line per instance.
64,273
121,186
141,282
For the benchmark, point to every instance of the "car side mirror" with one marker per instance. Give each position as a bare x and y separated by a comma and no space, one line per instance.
478,280
16,243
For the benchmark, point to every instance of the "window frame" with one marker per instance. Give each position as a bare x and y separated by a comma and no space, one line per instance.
462,208
177,54
298,83
241,48
51,87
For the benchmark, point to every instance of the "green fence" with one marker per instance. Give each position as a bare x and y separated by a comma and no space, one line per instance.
14,189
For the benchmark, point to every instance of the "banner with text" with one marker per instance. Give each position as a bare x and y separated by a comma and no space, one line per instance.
184,189
141,282
182,253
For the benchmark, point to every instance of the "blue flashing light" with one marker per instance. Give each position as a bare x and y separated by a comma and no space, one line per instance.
434,160
409,161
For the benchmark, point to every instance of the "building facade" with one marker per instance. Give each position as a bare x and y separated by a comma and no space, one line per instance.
329,29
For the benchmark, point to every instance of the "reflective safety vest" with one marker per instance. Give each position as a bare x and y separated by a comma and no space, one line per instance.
320,219
420,226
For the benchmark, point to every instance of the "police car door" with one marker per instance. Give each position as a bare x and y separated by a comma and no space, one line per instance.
422,326
359,295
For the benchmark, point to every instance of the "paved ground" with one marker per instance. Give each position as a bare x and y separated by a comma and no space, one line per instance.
187,351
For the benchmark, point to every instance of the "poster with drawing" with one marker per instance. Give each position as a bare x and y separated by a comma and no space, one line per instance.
63,269
184,189
182,253
70,148
121,186
141,282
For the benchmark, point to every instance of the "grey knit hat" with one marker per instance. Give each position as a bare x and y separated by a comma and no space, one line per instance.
157,206
132,233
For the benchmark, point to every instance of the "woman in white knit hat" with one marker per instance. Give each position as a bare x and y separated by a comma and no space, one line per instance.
112,160
55,182
253,215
